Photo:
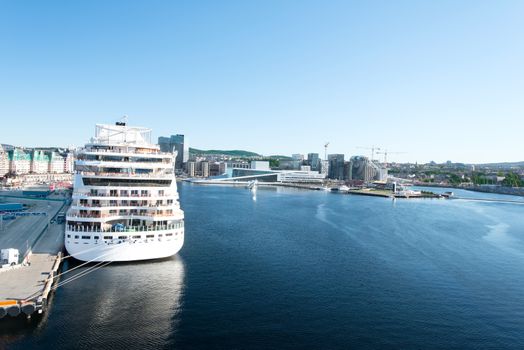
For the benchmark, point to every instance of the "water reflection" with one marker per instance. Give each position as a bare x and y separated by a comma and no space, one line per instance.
133,304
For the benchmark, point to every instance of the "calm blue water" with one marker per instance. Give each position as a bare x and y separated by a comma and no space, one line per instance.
306,269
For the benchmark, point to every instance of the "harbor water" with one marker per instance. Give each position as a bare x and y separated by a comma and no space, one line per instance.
297,269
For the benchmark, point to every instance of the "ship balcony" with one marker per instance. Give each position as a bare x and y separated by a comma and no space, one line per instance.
123,196
135,229
109,175
149,152
124,164
96,216
129,206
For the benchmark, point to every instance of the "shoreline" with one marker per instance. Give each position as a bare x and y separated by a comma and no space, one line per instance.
510,191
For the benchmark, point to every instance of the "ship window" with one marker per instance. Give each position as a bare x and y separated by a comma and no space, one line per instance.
136,236
76,237
160,235
169,234
96,237
122,237
86,237
150,236
108,237
68,236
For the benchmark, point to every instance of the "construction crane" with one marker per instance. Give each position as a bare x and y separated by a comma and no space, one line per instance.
325,150
385,153
372,148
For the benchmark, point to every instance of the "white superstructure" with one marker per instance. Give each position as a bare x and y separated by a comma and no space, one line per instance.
125,201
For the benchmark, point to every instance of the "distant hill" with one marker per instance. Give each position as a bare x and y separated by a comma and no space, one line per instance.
232,153
503,165
280,157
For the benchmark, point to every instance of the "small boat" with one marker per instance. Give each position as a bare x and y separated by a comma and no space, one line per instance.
252,185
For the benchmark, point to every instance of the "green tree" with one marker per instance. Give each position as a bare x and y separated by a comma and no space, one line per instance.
512,180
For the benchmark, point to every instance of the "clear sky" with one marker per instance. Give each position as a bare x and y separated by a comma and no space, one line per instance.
439,80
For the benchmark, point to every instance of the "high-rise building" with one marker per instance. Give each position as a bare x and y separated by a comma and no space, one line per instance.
175,143
205,169
191,169
313,161
324,167
362,168
336,166
298,156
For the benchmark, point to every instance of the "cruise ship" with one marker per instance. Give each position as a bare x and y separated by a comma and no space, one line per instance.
125,203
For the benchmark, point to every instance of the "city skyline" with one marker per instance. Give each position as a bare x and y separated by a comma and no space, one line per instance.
438,81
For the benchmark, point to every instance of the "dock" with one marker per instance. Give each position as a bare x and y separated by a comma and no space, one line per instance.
25,288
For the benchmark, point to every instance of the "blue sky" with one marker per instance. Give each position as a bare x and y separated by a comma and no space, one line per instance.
440,80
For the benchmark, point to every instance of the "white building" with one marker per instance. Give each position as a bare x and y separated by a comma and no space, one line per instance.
56,163
4,162
259,165
300,177
19,161
39,162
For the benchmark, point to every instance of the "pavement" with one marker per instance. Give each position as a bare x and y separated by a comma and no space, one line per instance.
21,232
25,281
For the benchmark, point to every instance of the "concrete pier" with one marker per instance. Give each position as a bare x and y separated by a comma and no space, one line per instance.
25,288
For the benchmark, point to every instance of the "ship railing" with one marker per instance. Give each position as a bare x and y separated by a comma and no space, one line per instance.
117,195
91,216
106,174
100,150
106,205
129,229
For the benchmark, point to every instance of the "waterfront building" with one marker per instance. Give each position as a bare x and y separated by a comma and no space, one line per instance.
56,163
177,143
297,156
222,168
4,162
336,166
287,176
39,162
362,168
301,176
217,168
204,169
191,168
289,164
69,162
19,161
324,167
313,161
259,165
238,165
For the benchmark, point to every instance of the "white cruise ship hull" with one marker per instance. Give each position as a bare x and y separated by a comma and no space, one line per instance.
124,250
125,204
